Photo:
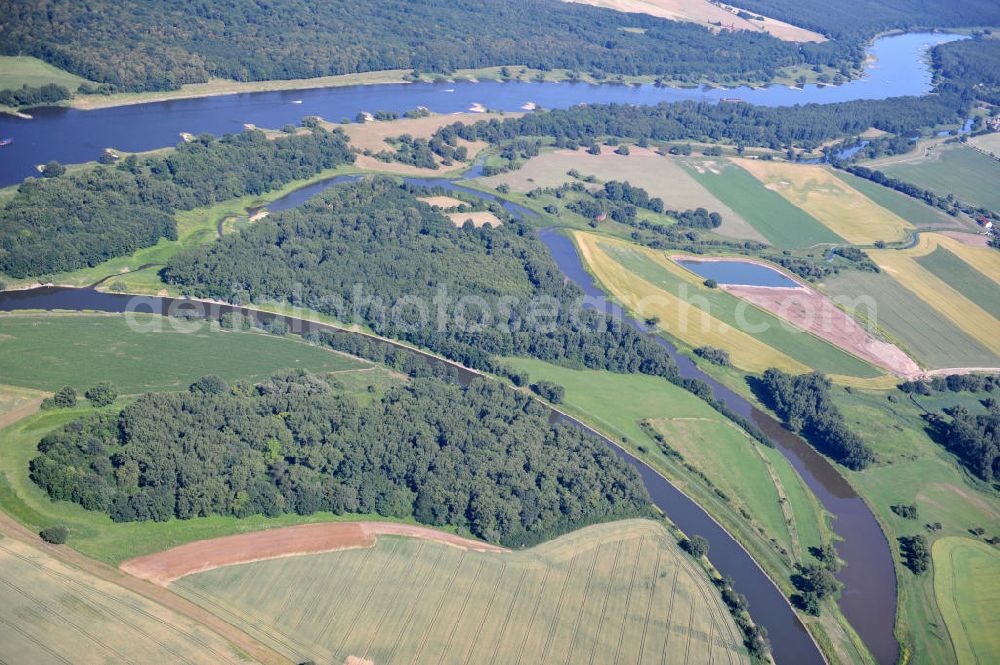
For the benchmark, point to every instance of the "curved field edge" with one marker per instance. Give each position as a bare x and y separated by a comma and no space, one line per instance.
614,592
967,588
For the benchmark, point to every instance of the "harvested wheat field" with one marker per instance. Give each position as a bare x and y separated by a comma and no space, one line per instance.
659,175
55,613
843,209
443,202
618,592
479,218
199,556
709,14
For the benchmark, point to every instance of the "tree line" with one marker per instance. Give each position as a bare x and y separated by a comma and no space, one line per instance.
49,93
804,404
81,219
136,45
482,458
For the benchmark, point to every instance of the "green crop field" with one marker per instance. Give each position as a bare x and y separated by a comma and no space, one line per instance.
17,70
783,224
47,351
913,469
618,404
932,339
963,278
55,613
618,592
915,212
967,586
965,172
798,345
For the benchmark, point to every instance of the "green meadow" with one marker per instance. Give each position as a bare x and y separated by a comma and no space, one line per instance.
48,351
799,345
963,278
913,469
967,585
915,212
783,224
618,405
19,70
965,172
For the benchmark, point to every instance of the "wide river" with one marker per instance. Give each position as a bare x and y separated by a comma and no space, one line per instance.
898,66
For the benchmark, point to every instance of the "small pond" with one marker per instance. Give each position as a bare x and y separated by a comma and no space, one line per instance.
743,273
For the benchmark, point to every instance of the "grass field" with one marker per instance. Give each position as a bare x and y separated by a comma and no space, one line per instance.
660,176
929,336
954,169
938,294
967,586
618,592
989,143
962,277
618,404
653,285
55,613
47,351
915,212
19,70
783,224
817,191
913,469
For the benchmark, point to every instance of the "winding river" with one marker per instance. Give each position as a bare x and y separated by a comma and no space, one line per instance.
897,66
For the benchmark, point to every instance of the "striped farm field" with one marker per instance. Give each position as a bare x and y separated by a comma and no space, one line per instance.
942,297
953,169
652,285
962,277
913,210
843,209
967,589
617,592
928,335
783,224
55,613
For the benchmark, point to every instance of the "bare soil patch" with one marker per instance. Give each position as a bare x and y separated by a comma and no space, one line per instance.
970,239
812,311
166,566
479,218
443,202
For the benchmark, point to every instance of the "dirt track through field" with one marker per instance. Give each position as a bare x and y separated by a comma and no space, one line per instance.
197,557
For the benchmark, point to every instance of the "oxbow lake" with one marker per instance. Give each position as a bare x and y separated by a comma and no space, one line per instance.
899,66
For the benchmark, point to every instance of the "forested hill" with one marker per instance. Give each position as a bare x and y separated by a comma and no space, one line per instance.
848,18
369,252
483,458
133,45
71,221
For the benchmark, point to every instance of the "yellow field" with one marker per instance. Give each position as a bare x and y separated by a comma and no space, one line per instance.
620,592
961,311
479,218
984,259
443,202
679,317
54,613
967,589
708,14
16,402
819,192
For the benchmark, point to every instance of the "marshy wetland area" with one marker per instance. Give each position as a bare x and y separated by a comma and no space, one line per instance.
442,359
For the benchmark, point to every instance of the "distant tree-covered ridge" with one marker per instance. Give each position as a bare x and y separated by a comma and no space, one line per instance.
973,64
77,220
369,252
484,458
135,45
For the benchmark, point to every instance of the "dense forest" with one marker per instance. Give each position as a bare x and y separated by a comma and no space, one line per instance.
369,252
849,18
804,404
136,45
975,439
973,64
483,458
28,96
83,219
